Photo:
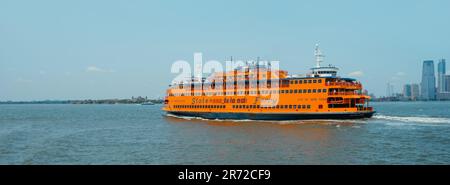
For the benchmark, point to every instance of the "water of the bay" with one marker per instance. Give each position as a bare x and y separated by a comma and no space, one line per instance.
400,133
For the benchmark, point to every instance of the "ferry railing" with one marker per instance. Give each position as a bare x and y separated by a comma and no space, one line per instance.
344,93
344,84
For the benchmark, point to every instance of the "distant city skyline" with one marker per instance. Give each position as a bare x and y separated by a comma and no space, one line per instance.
83,49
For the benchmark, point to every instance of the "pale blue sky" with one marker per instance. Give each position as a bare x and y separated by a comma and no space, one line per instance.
118,49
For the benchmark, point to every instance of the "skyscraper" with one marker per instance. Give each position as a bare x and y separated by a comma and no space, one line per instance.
407,91
447,83
441,76
428,84
415,91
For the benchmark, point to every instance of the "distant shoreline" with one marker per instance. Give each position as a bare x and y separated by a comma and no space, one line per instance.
138,100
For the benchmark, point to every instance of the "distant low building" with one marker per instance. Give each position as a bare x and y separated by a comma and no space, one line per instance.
443,96
447,83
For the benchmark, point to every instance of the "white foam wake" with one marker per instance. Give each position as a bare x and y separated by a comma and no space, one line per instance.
413,119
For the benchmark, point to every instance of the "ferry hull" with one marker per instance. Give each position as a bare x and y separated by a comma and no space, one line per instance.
278,116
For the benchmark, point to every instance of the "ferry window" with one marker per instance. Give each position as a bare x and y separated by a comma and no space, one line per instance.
296,81
320,106
282,91
314,90
285,106
258,106
247,107
300,81
324,90
309,81
305,81
304,90
294,106
314,81
295,91
290,106
291,91
319,90
278,106
309,106
303,106
309,90
319,81
292,81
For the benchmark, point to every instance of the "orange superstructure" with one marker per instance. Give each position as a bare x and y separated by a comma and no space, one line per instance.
260,93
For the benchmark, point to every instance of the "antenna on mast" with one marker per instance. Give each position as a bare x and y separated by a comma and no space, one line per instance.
319,56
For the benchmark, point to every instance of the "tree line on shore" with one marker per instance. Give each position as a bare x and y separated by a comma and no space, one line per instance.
133,100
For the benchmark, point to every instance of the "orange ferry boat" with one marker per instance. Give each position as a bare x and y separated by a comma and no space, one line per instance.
321,94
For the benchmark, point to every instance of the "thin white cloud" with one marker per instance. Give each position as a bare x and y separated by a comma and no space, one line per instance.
400,73
356,74
42,72
22,80
95,69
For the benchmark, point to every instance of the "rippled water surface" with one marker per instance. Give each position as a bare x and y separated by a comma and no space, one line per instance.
400,133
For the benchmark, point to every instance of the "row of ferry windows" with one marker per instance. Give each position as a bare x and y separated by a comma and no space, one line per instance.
308,81
305,81
290,91
200,106
275,107
242,107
